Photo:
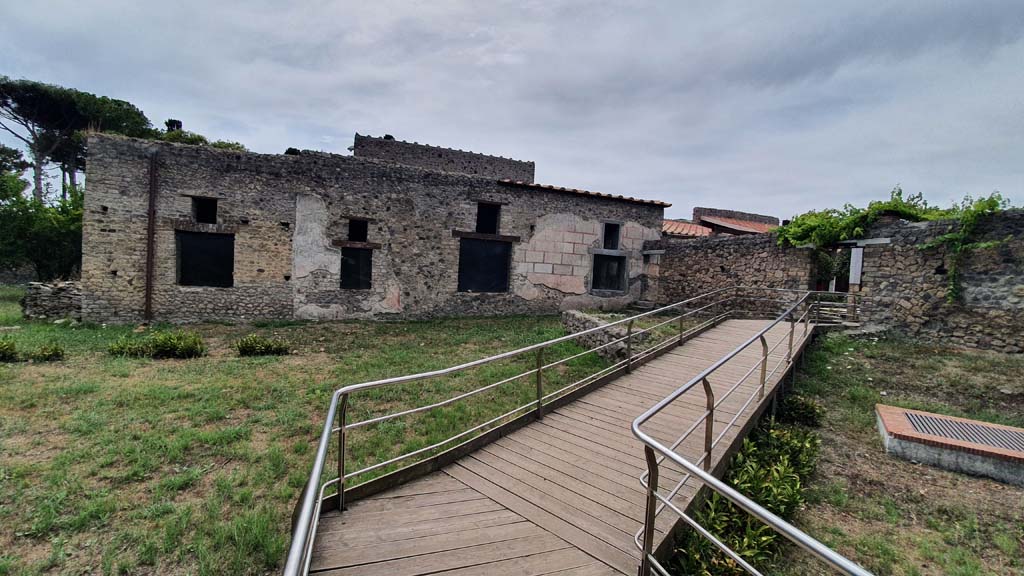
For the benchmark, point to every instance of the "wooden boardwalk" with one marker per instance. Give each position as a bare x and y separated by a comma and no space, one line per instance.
561,495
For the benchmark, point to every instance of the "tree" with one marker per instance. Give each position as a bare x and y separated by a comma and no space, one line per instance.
50,121
12,160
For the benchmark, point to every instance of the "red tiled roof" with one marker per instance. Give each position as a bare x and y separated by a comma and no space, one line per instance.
583,192
739,225
679,228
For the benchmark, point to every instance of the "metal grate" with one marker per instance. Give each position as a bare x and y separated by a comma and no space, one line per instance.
967,432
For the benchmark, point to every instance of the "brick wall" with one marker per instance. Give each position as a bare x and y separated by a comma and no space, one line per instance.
288,214
442,159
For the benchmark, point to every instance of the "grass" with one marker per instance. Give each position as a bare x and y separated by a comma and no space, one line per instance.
115,465
892,516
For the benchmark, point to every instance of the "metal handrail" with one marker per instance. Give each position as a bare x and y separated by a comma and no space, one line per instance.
309,502
655,453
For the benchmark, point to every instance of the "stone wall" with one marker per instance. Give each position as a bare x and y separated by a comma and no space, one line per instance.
690,267
721,213
17,276
442,159
290,213
52,301
908,284
576,321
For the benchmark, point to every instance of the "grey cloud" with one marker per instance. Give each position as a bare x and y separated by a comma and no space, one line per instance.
773,107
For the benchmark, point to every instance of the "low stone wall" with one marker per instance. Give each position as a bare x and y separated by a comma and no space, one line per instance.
17,276
692,267
576,321
908,284
52,301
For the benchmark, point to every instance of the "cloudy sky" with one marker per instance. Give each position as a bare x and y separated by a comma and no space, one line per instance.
773,107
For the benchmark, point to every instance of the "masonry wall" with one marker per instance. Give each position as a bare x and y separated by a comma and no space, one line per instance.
289,213
908,284
442,159
690,267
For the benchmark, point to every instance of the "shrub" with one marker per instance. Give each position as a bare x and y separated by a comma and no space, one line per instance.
176,344
51,352
770,469
799,409
256,345
8,350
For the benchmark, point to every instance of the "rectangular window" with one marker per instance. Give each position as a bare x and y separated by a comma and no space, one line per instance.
488,217
609,273
611,236
356,266
358,230
484,265
205,259
204,210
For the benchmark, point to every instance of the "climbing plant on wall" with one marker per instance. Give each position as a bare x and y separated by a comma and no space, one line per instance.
825,228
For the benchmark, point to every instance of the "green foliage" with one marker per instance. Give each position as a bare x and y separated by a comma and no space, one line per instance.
8,349
799,409
256,345
50,352
178,344
961,241
195,139
771,469
46,236
827,227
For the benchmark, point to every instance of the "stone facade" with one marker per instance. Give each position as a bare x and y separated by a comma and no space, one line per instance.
699,213
52,301
695,266
908,284
289,215
388,149
576,321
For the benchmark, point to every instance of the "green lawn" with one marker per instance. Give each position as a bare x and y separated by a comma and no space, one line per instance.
117,465
892,516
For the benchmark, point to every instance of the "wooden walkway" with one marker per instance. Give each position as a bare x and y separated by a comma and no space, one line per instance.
559,496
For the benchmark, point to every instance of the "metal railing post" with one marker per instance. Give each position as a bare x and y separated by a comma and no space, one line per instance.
680,341
709,424
341,453
652,510
629,346
540,383
764,367
792,327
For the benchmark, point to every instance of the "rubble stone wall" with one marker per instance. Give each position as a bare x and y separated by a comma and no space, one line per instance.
289,213
52,301
442,159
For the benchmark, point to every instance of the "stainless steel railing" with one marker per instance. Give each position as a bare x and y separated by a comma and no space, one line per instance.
703,311
810,307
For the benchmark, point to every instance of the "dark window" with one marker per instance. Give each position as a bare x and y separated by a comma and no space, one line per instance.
357,230
609,272
483,265
611,236
487,218
204,210
205,259
356,266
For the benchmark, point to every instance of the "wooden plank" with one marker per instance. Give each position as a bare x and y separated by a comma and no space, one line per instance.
553,523
354,556
416,501
360,536
558,561
377,520
588,570
548,453
452,559
425,485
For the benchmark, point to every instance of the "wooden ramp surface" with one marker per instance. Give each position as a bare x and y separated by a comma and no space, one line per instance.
559,496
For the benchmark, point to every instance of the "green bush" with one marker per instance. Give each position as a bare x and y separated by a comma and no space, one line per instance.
51,352
8,350
770,469
178,344
799,409
256,345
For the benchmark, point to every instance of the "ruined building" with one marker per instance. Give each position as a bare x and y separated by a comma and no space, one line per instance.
403,230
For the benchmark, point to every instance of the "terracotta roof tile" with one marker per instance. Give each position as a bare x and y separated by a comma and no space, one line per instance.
739,225
583,192
680,228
